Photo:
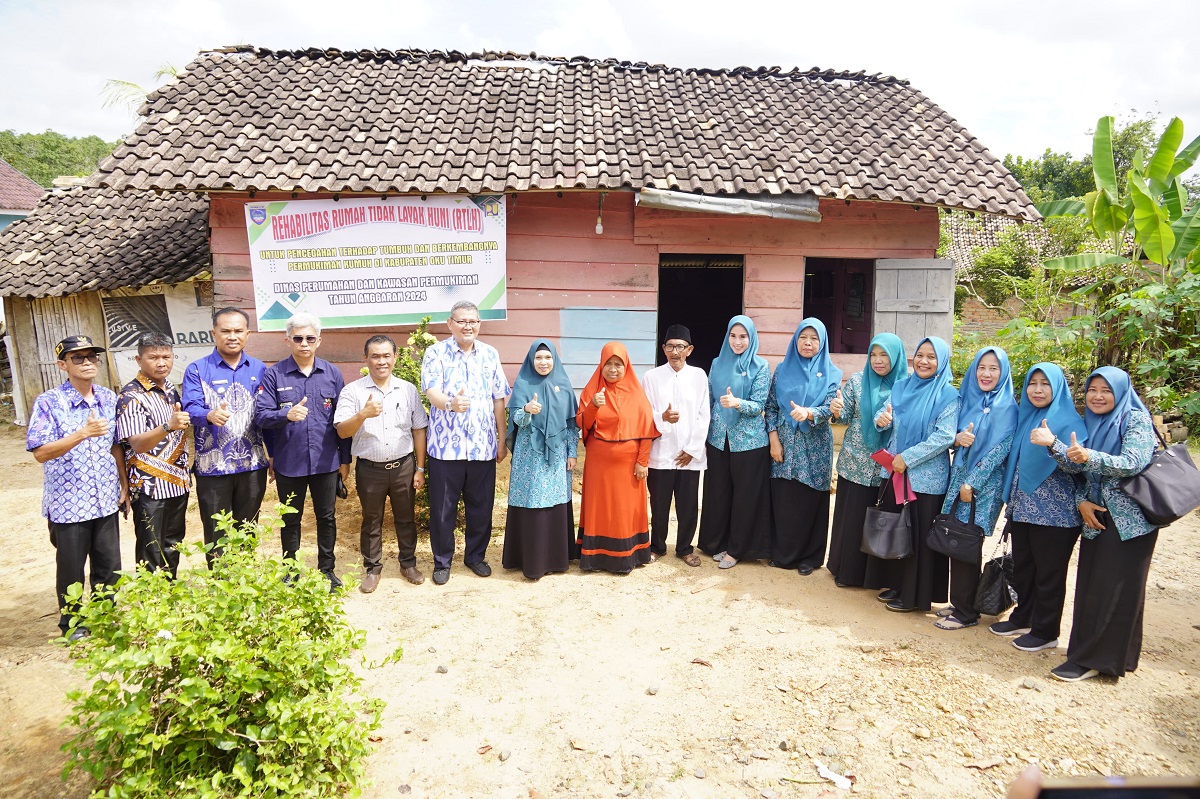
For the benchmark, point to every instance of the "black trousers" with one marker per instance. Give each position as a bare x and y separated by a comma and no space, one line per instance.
96,541
238,494
1041,555
736,517
683,485
376,483
799,524
158,528
324,494
475,483
964,584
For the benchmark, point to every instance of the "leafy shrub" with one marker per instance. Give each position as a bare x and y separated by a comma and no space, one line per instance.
223,683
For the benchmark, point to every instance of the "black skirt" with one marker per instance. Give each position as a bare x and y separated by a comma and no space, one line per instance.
736,514
847,561
923,578
799,524
538,541
1110,595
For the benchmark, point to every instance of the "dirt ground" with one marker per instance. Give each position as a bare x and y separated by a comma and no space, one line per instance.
669,682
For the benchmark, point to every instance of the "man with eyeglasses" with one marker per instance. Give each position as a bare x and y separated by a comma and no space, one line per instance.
466,387
678,395
72,434
231,453
297,401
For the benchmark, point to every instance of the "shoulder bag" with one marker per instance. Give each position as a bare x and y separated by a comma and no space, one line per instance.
954,539
995,593
1168,488
888,534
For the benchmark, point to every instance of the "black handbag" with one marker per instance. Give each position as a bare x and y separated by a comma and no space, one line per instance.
954,539
888,534
995,593
1168,488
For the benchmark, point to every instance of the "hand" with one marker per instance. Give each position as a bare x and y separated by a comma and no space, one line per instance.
533,406
1041,436
501,451
598,398
776,449
965,438
123,501
571,464
898,464
219,415
1077,452
730,401
270,470
682,460
373,407
299,411
640,471
966,493
460,403
885,417
1088,511
1027,785
94,426
418,480
670,415
835,407
344,471
179,420
800,414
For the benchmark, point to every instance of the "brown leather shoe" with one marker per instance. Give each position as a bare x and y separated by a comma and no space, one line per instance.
370,582
412,574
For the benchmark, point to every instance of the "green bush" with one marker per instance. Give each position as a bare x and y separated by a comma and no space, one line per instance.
233,682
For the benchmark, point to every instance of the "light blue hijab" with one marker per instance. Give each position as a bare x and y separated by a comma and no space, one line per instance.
1060,416
877,390
1106,432
917,401
805,381
735,371
993,413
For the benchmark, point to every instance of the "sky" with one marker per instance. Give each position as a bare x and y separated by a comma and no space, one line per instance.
1021,76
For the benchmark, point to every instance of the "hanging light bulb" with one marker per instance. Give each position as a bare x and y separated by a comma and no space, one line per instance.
600,216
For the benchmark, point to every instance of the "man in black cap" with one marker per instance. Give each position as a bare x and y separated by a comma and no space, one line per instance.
72,434
678,395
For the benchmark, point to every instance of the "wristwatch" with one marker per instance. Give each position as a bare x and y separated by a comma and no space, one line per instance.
420,469
166,428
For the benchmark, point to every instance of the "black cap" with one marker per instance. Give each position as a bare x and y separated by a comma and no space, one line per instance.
678,332
74,344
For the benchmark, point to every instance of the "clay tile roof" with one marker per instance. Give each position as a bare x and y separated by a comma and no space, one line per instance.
412,121
85,239
17,191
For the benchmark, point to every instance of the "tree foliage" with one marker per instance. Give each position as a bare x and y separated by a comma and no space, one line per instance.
46,156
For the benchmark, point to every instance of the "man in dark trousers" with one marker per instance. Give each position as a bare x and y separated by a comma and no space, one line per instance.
297,401
71,433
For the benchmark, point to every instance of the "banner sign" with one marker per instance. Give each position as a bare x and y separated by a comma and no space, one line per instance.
367,262
181,312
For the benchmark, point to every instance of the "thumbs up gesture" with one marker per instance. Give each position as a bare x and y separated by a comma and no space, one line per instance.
460,402
1041,436
179,419
372,407
835,407
533,407
94,426
670,415
219,415
730,401
884,417
299,411
800,414
1077,452
965,438
598,398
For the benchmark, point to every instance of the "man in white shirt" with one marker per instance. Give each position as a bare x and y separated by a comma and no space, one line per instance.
385,417
679,398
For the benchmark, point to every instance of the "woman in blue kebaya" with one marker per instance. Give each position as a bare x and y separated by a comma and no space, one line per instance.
735,522
922,415
1118,542
866,394
1044,521
797,415
987,420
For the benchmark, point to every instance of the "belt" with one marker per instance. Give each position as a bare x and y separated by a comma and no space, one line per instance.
396,464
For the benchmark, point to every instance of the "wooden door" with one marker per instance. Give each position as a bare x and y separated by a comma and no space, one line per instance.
914,298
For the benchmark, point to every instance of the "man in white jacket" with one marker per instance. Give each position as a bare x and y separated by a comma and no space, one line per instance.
679,397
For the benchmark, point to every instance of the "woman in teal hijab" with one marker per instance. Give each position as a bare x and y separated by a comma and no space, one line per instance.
865,394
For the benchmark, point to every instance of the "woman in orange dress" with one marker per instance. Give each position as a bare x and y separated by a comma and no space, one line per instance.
618,426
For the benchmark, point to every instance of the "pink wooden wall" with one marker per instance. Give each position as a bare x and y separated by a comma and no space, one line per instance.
557,261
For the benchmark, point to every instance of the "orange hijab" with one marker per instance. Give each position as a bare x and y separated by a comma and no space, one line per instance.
626,413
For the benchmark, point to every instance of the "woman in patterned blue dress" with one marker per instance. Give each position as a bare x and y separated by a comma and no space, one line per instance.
1044,521
543,438
1118,541
987,420
797,414
865,394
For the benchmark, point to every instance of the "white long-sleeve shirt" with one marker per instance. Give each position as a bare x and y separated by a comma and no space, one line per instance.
685,391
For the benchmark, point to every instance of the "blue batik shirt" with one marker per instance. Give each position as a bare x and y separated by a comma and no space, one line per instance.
239,445
469,436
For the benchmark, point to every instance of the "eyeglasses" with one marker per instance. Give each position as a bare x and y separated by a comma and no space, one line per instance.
304,339
79,360
465,322
675,347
